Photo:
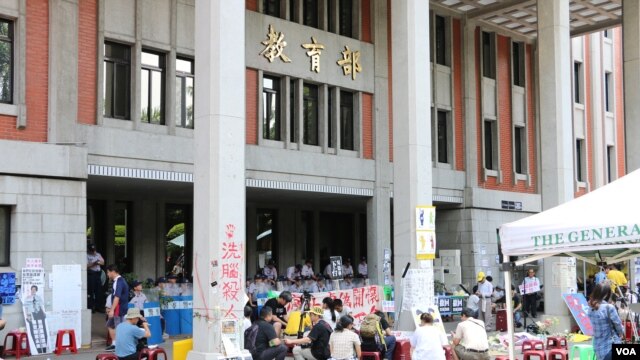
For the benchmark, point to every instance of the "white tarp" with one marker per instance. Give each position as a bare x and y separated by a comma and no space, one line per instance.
607,218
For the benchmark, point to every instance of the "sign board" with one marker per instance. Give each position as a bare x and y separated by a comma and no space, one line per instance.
579,308
386,266
435,313
32,263
425,245
8,288
425,218
530,287
417,289
451,305
336,267
32,277
67,287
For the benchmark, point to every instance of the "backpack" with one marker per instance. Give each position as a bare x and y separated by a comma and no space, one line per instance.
250,336
370,328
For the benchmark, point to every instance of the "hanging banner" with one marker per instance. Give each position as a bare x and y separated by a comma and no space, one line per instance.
425,245
425,218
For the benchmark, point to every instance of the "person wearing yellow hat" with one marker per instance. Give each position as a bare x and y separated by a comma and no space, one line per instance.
318,339
485,290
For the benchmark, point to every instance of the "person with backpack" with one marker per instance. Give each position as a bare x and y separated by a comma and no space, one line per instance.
261,339
318,338
376,334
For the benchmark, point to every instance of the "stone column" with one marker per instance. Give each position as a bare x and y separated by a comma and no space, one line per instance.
219,178
556,135
412,183
631,61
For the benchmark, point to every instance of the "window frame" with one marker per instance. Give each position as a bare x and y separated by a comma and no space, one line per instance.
317,12
520,150
12,60
518,64
182,77
578,90
6,260
611,163
277,8
490,143
114,88
352,121
488,67
162,69
447,142
305,100
351,33
580,161
608,92
277,81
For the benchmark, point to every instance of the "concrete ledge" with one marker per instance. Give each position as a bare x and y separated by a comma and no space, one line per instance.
39,159
492,199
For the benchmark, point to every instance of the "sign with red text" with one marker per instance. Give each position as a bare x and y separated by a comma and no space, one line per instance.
231,267
579,308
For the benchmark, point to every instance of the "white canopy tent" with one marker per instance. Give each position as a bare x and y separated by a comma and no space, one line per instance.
603,225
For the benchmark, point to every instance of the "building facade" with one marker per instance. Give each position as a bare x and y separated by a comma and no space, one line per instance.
97,125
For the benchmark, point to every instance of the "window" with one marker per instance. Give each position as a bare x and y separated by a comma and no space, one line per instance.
517,63
608,34
5,233
608,92
310,13
577,82
271,7
152,88
292,11
184,93
293,114
346,121
443,140
490,144
331,123
6,61
520,149
117,80
611,163
271,108
580,161
310,113
441,40
488,55
345,20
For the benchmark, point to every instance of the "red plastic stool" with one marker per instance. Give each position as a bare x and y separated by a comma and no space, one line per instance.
555,354
448,352
532,345
502,357
16,348
557,342
535,353
152,354
108,356
72,341
371,354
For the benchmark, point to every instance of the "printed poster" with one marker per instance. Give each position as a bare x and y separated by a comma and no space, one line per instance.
417,289
579,308
425,218
435,313
8,288
425,245
35,317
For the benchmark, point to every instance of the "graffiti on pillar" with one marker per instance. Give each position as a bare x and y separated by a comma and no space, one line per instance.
230,271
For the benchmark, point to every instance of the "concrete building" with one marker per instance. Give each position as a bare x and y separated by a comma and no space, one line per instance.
489,110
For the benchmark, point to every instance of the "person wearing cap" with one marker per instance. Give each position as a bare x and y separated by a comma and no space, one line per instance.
128,334
307,270
470,338
347,284
318,337
139,298
94,278
347,269
321,285
485,290
278,306
293,272
362,267
296,285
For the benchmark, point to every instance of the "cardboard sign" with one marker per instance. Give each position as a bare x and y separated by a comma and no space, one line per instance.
336,267
579,308
425,245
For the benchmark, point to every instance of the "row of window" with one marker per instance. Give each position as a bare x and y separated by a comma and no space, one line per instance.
578,88
117,85
339,15
489,59
274,119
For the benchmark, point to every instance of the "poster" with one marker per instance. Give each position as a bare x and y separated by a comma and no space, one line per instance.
36,321
417,288
336,267
425,218
579,308
8,288
32,277
425,245
67,287
33,263
65,319
435,313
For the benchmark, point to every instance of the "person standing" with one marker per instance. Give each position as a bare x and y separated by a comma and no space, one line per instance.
427,341
293,272
119,302
600,276
94,279
318,337
470,338
139,298
363,270
344,343
129,334
618,281
531,286
485,290
607,326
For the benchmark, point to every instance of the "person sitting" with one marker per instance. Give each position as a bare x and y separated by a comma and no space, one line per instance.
347,284
473,302
270,272
347,269
268,345
329,314
427,341
318,337
498,295
307,270
296,285
340,308
293,272
470,338
344,343
517,307
382,340
278,308
128,335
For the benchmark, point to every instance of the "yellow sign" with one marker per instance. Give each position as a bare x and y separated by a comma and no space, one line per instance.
274,46
314,53
350,62
425,245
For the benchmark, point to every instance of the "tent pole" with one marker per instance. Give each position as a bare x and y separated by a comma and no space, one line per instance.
584,278
508,296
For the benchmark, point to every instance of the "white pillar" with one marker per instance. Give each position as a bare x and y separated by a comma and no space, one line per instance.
411,131
219,184
556,133
631,74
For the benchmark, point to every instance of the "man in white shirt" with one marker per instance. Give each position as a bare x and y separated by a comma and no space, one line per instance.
293,272
307,270
362,267
473,302
270,271
347,269
485,290
470,338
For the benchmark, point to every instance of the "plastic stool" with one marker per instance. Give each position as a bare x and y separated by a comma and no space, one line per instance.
371,354
152,354
532,345
536,353
557,342
72,341
448,352
555,354
16,348
107,356
502,357
585,351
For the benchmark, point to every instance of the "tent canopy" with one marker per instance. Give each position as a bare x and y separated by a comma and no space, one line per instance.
604,223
